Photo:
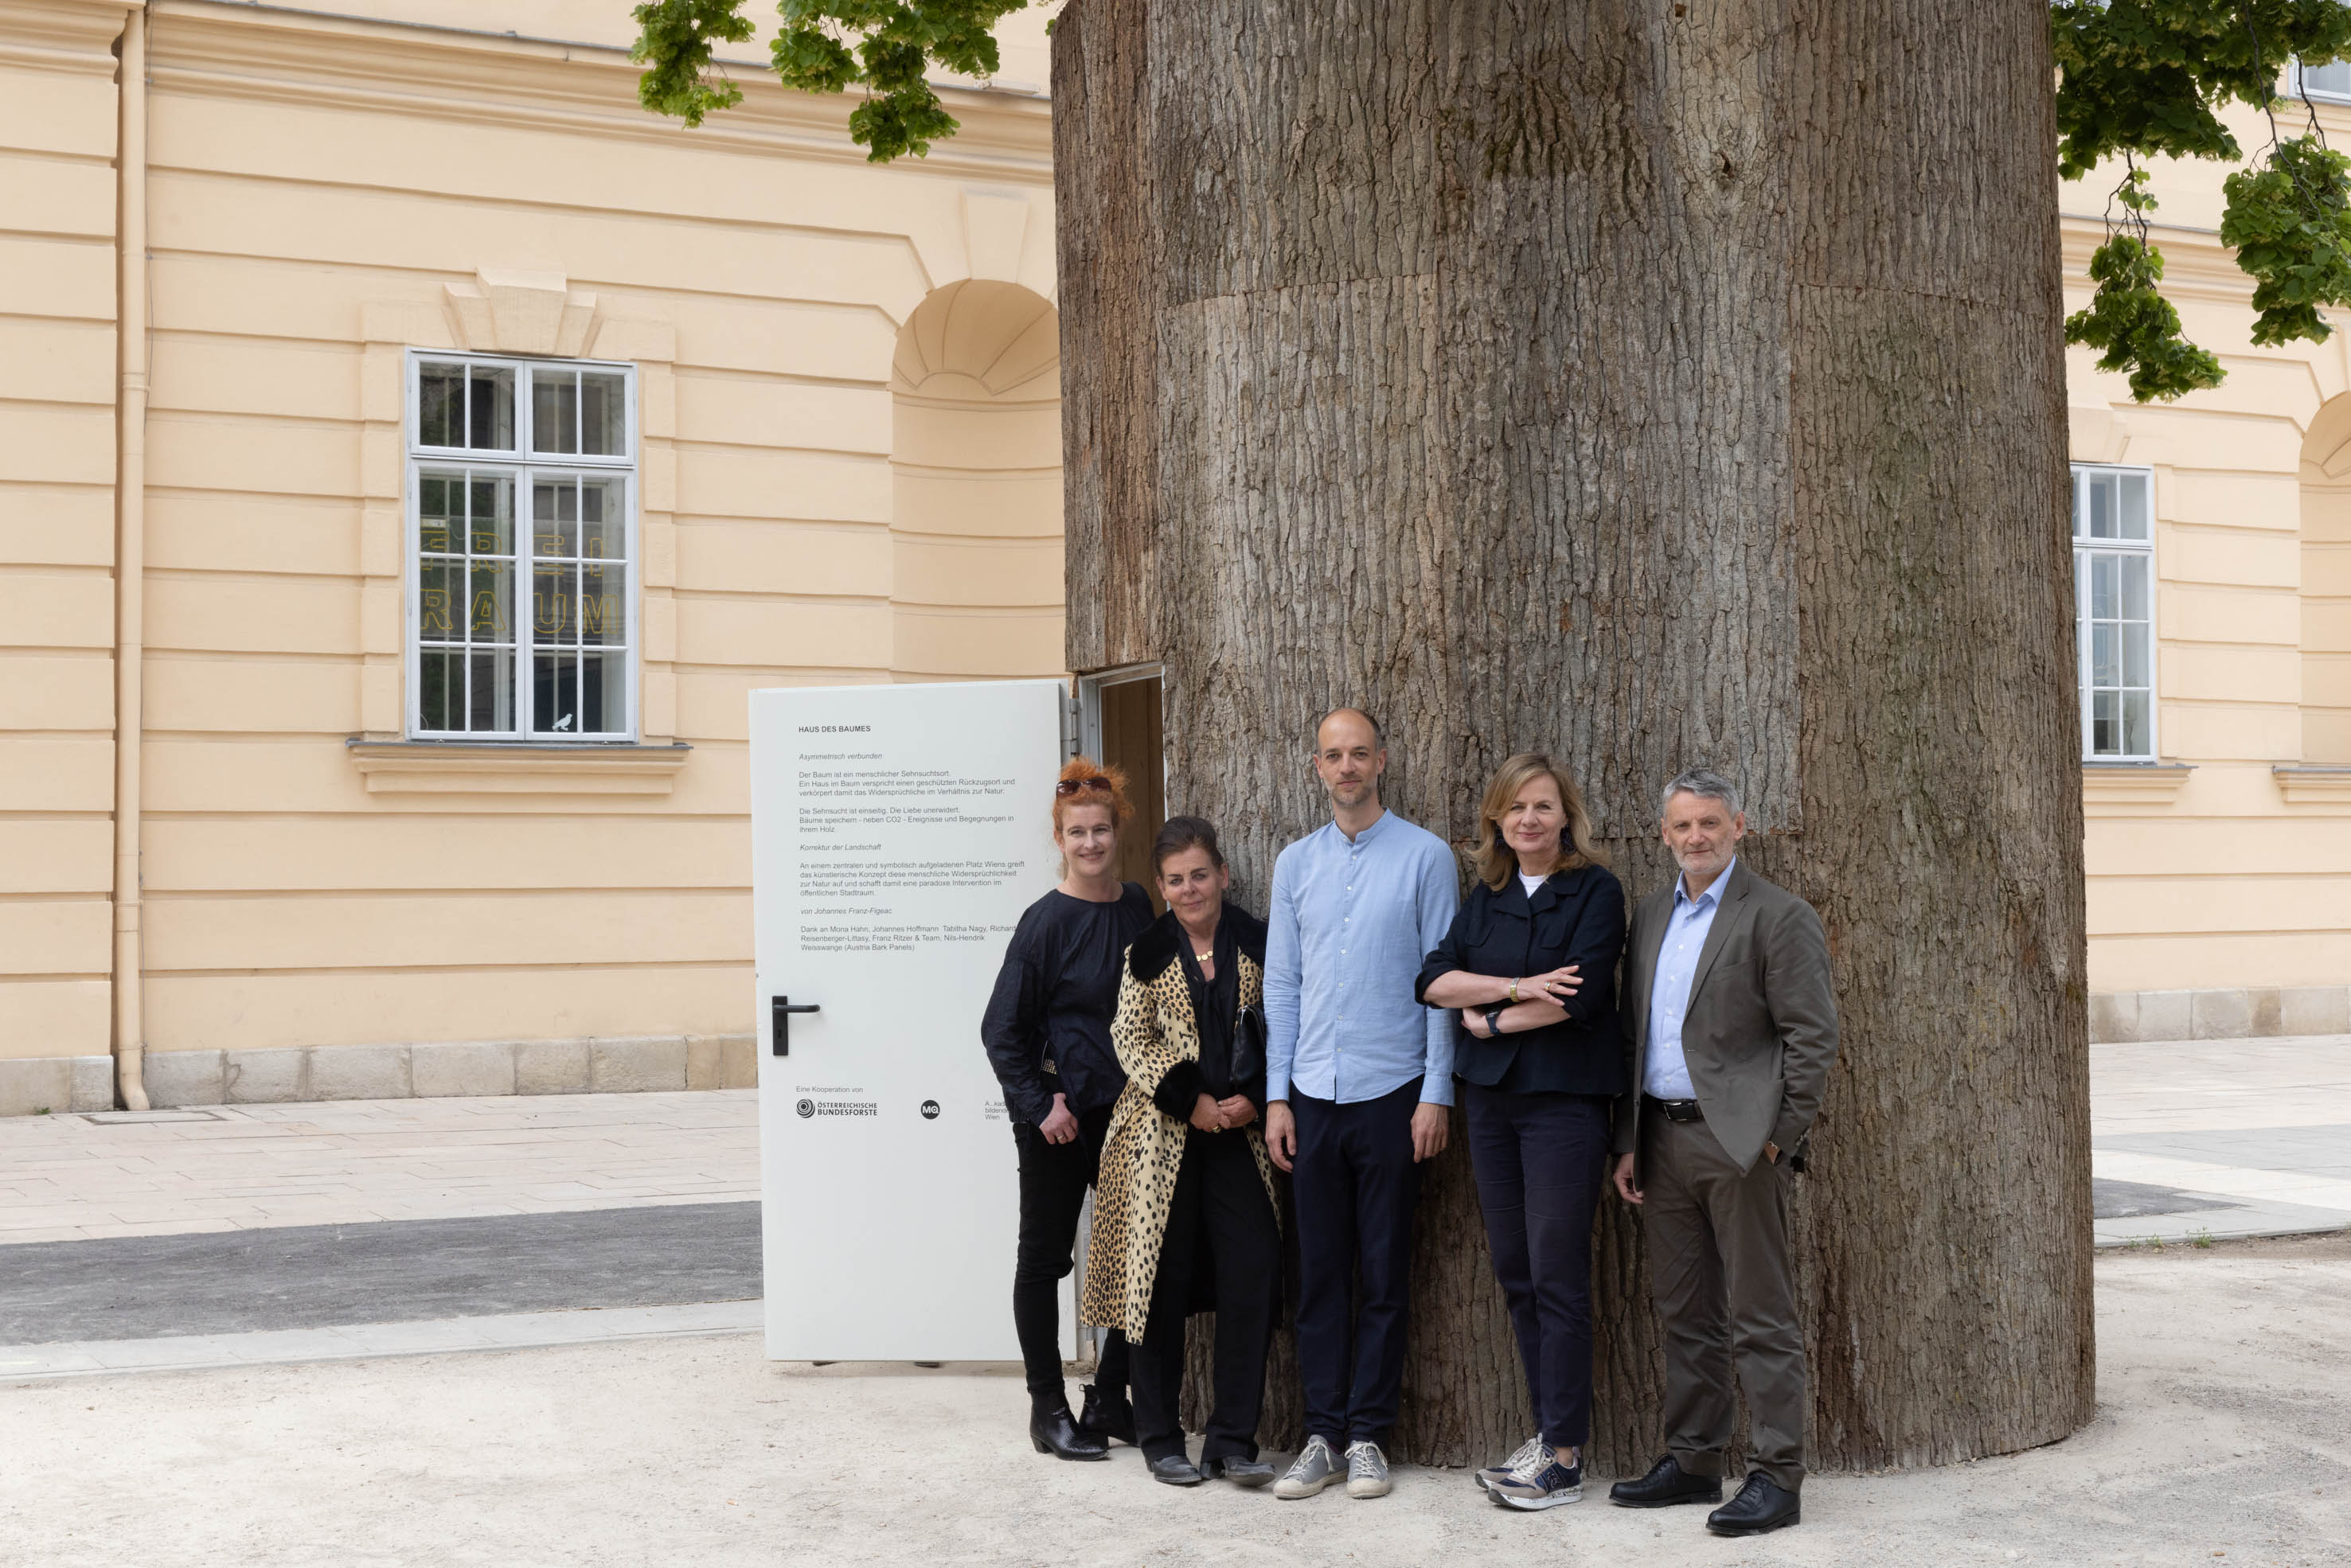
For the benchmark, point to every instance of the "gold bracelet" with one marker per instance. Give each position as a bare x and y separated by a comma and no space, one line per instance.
1514,990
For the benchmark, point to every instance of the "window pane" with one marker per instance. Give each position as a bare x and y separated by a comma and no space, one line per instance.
2105,597
439,588
490,511
441,688
440,405
438,500
2137,732
2102,505
604,520
491,692
2134,575
2135,640
603,404
554,617
604,693
2105,737
2105,666
2333,79
555,515
555,411
603,602
489,612
489,410
2133,510
555,693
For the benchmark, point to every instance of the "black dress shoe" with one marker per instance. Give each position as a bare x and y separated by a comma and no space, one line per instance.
1176,1471
1241,1472
1108,1415
1056,1432
1666,1484
1760,1507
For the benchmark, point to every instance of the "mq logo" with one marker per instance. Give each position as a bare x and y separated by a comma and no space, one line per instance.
806,1108
930,1110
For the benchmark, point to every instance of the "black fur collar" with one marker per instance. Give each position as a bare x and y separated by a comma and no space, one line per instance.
1153,951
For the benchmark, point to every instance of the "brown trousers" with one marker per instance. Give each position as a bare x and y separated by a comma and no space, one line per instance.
1725,1293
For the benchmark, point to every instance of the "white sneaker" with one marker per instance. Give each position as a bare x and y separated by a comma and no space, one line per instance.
1367,1470
1526,1454
1314,1469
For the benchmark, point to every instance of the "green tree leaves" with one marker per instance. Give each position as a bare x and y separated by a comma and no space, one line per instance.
2148,77
2290,223
886,46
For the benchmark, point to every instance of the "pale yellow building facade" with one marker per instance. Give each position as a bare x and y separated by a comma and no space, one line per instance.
412,452
812,405
2219,837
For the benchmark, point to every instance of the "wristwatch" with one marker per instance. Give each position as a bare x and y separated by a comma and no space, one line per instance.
1494,1020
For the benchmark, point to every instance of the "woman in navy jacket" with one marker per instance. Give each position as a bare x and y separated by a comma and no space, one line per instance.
1530,963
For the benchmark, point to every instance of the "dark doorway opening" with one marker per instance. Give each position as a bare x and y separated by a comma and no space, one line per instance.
1123,730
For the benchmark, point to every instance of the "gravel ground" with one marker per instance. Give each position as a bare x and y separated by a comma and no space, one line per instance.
2225,1380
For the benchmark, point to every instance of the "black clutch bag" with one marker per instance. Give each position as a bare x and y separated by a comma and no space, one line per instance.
1249,1046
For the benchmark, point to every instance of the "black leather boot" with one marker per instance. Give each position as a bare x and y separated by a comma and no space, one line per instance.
1107,1414
1666,1484
1056,1432
1762,1505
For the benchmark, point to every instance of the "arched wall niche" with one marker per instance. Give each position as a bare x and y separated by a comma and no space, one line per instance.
2327,586
976,480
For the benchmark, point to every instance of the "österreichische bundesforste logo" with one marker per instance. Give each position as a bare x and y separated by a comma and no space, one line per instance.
930,1110
806,1108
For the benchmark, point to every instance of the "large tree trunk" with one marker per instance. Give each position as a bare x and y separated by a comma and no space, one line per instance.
1653,384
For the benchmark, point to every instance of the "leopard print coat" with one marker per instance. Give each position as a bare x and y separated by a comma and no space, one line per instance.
1144,1150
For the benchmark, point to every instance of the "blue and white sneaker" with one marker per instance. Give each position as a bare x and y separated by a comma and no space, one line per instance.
1547,1487
1530,1452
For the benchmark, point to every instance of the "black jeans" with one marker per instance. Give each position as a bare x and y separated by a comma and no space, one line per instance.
1539,1159
1355,1184
1218,1214
1053,1182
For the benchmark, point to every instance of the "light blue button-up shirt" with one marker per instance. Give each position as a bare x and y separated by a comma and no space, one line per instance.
1668,1073
1352,921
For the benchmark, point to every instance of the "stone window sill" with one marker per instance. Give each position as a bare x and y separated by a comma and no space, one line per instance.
520,768
2133,783
2307,785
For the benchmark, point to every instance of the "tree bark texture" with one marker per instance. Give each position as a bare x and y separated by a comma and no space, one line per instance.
1654,384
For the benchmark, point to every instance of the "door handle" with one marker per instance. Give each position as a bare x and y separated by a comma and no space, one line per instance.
783,1009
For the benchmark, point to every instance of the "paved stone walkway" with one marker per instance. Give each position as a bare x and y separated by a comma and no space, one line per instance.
233,1168
2221,1138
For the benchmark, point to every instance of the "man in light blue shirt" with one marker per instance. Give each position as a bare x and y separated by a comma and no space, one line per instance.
1358,1076
1666,1075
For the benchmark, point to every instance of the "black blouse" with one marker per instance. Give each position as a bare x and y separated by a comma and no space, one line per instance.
1574,917
1047,1028
1216,1007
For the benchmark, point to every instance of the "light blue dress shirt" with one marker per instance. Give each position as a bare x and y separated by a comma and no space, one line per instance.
1666,1076
1352,921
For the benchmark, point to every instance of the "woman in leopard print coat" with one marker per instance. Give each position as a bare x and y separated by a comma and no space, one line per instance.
1184,1207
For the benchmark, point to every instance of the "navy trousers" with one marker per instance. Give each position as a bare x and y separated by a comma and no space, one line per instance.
1539,1160
1355,1184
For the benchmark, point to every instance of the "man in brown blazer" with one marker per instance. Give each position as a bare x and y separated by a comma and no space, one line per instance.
1732,1019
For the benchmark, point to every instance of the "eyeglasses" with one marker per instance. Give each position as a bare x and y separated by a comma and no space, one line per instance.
1072,786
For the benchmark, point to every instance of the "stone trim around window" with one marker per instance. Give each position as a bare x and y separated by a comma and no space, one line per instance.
516,768
2133,783
2314,785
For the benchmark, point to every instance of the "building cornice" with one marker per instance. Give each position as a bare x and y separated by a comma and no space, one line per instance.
2312,785
2132,783
222,48
75,35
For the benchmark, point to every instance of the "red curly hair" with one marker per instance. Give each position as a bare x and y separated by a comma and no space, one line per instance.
1085,771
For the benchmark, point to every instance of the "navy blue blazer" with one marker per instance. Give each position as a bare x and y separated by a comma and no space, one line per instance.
1574,917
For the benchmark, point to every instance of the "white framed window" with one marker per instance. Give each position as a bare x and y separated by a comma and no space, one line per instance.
2331,80
522,548
2114,610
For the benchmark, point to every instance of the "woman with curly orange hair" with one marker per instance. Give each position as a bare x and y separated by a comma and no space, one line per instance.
1046,1029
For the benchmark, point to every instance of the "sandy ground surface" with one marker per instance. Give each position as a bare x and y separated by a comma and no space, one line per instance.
2223,1436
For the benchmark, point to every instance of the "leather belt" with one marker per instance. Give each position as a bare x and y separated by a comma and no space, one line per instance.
1675,1110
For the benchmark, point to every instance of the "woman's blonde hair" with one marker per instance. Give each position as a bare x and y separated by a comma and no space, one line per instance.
1497,861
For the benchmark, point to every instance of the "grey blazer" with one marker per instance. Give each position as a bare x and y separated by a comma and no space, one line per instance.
1760,1032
